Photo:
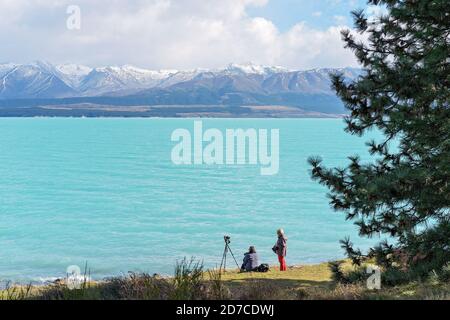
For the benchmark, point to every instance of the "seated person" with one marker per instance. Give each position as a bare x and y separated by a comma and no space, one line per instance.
250,260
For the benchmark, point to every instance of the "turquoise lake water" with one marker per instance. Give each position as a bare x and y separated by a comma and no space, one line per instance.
105,192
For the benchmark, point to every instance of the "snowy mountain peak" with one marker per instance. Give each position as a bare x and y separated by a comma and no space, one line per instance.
251,68
73,74
43,79
73,69
45,65
135,72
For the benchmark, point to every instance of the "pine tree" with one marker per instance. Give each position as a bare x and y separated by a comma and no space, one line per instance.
404,93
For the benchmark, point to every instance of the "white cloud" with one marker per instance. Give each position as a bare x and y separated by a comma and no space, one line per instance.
180,34
340,20
308,47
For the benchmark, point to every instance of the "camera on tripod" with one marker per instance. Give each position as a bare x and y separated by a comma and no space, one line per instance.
223,264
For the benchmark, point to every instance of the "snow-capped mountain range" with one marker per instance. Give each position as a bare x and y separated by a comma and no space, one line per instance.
45,80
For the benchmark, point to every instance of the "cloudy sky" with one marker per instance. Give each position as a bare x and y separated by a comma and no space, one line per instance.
180,34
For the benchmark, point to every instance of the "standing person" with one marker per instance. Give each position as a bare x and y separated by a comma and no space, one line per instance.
280,248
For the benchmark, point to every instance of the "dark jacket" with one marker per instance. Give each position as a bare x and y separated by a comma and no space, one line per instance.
250,262
280,248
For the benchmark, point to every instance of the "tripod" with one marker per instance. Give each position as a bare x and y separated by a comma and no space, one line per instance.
225,253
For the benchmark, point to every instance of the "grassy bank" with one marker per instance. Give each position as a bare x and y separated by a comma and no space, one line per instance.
190,281
315,282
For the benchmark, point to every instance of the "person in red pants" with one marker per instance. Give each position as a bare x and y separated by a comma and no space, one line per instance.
280,248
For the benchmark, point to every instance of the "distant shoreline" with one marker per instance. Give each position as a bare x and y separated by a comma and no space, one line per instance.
88,110
96,110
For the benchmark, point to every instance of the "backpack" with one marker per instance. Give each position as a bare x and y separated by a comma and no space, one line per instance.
263,268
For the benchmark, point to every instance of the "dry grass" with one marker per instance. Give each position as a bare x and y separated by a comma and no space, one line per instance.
191,282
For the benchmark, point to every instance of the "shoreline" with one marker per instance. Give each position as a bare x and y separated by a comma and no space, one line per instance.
317,270
93,110
52,279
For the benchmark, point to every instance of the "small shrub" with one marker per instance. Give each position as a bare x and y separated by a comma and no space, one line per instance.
357,276
137,287
337,274
188,280
12,292
59,290
444,275
394,276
